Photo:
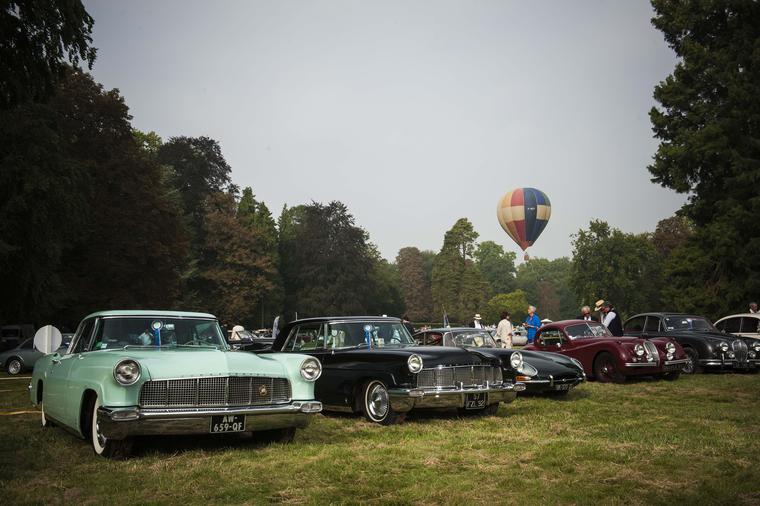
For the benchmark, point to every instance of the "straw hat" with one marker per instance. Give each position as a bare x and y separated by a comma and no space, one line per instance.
598,305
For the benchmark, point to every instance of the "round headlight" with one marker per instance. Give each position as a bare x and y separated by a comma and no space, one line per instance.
311,369
730,354
414,363
639,350
670,347
126,372
723,346
516,360
528,370
751,354
756,346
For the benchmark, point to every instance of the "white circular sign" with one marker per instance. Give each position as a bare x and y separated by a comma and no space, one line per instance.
47,339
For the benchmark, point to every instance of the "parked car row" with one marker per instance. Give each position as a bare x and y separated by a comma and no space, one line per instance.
127,374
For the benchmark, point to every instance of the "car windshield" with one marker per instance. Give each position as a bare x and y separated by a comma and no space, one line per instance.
474,339
158,331
692,323
586,330
373,334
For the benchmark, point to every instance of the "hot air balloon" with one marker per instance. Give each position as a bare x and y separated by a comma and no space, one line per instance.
523,214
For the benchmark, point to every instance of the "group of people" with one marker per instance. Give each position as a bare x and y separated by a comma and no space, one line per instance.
505,330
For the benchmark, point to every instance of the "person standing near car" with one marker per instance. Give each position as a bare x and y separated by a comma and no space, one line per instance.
532,323
753,307
407,324
586,315
476,322
611,318
504,331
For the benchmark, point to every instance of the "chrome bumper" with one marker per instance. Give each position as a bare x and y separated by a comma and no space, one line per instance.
119,423
552,382
667,364
729,362
405,399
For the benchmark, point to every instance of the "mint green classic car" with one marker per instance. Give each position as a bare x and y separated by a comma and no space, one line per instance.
135,373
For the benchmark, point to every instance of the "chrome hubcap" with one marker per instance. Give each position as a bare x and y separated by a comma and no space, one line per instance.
14,367
377,401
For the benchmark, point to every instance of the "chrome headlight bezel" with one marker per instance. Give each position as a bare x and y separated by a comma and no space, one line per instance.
639,350
527,370
516,360
414,363
756,346
670,348
311,369
723,346
127,372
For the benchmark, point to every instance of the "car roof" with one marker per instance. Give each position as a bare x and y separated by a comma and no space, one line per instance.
150,312
656,313
743,315
346,318
449,329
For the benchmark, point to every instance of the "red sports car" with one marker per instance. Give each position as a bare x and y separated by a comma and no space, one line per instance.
607,358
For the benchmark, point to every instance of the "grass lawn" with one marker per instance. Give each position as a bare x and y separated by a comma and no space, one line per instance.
692,441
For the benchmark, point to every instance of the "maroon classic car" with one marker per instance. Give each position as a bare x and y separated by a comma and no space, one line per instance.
607,358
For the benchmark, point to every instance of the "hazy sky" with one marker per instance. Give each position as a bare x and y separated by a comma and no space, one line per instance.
413,113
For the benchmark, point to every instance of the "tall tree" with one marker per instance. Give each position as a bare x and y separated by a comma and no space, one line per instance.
671,233
198,170
457,285
86,220
611,265
708,124
255,217
497,266
328,265
415,284
37,39
546,284
234,271
515,303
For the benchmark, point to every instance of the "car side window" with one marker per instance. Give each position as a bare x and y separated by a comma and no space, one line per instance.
305,337
83,339
731,325
635,324
652,324
551,337
750,325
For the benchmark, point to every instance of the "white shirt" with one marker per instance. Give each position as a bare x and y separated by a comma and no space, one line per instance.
608,318
477,324
753,312
504,333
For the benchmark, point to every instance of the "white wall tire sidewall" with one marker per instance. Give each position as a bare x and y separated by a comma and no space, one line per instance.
370,415
99,448
44,420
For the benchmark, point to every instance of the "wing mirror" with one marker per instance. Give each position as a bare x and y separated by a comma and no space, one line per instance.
47,339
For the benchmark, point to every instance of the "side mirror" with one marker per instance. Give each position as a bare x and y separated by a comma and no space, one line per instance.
47,339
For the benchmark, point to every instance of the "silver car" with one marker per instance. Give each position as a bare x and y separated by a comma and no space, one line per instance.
23,357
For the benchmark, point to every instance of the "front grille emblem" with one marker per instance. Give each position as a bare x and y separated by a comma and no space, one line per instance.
263,390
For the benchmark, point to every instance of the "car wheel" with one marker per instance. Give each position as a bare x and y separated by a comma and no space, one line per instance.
606,370
109,448
692,362
376,404
13,366
276,435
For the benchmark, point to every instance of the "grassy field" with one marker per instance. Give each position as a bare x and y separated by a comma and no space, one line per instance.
693,441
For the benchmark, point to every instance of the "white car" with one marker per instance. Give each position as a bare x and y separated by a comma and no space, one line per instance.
744,324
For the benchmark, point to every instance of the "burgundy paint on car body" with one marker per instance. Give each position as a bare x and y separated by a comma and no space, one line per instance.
608,358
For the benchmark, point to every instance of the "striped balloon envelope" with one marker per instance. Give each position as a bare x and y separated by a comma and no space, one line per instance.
523,214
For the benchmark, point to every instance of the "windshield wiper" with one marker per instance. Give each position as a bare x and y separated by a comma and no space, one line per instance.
215,346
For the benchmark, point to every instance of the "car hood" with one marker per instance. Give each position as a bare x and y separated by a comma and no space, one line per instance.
431,355
546,363
185,363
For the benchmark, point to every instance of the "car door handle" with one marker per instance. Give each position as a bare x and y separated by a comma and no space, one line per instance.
56,360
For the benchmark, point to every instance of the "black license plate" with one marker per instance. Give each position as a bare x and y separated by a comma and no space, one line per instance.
563,386
673,367
476,401
227,423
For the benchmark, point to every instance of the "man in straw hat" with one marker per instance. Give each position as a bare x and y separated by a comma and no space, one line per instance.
611,318
476,321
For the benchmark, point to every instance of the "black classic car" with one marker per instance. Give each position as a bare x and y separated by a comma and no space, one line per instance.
541,372
706,347
371,365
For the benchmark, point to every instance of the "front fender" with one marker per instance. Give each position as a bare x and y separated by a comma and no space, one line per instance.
301,389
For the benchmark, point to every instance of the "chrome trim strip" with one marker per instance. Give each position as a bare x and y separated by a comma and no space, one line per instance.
140,413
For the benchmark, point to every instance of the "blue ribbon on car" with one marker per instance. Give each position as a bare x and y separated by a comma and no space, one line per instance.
367,337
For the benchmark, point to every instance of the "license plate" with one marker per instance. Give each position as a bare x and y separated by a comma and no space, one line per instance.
563,386
476,401
227,423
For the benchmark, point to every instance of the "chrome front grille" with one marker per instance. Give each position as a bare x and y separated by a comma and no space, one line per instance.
215,392
457,376
651,350
740,350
